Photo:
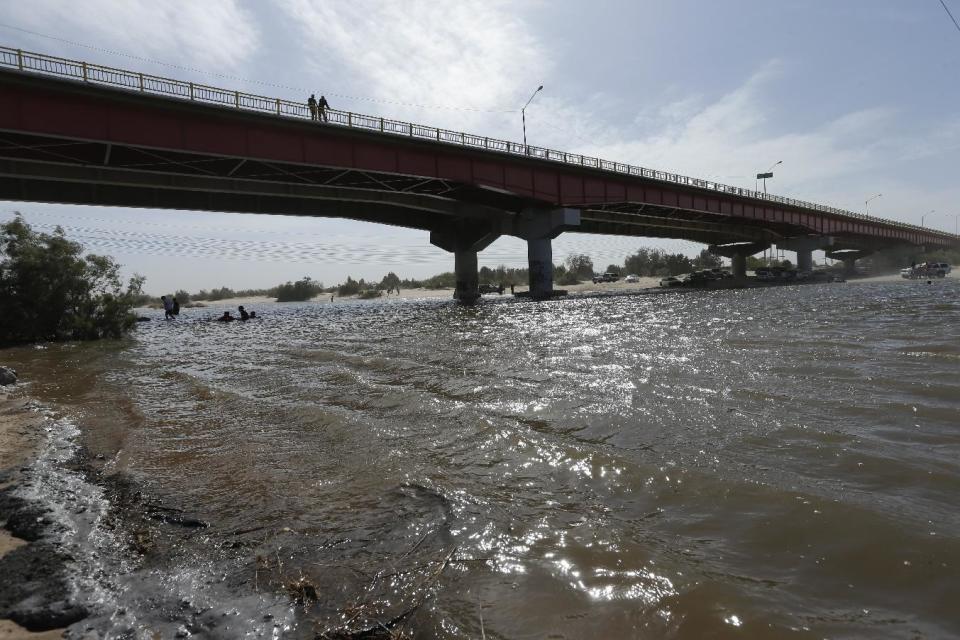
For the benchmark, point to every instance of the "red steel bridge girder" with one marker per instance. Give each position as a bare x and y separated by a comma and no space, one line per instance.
58,110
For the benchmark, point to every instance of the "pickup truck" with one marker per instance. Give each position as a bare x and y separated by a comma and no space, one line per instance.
607,277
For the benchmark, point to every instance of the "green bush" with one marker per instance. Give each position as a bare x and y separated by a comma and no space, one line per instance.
350,288
50,291
302,289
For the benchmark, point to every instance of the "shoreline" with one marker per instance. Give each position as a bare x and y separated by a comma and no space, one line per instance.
23,551
646,284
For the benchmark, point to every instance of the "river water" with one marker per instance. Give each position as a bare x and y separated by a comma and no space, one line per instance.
779,462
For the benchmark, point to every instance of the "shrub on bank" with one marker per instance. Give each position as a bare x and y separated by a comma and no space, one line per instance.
298,291
50,291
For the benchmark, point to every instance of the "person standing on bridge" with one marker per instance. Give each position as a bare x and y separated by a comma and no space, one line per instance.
312,103
322,107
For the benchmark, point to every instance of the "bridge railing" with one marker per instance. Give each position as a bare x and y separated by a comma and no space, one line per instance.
28,61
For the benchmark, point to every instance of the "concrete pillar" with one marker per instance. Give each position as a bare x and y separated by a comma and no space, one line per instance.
464,238
540,260
738,265
805,259
849,266
468,279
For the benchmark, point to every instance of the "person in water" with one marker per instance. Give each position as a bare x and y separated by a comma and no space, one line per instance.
226,317
243,313
167,308
253,315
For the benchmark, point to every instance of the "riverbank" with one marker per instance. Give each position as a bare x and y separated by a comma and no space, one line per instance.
23,559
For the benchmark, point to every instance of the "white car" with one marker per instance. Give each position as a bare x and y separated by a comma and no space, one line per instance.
632,278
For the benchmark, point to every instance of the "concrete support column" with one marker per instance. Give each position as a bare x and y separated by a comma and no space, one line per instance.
738,252
468,279
805,259
738,265
464,238
540,260
849,266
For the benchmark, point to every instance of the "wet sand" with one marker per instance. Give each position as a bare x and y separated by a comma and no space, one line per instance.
20,439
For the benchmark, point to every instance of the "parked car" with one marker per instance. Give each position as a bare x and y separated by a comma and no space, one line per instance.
764,274
670,281
607,277
490,288
632,278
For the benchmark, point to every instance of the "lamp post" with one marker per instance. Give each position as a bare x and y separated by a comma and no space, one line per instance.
956,217
867,202
924,216
523,114
767,174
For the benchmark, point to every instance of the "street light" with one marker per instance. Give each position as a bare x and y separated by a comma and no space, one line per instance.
767,174
956,217
523,113
924,216
867,202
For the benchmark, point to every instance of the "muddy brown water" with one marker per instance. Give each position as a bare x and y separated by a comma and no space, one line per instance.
747,464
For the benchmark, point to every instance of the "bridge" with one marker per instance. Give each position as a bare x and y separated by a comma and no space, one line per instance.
78,133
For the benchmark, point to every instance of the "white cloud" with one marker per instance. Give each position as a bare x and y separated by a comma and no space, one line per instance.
473,53
212,33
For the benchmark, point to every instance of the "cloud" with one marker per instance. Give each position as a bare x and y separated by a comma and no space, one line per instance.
474,53
212,33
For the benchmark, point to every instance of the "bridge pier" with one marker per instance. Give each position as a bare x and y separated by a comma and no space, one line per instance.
738,252
738,265
849,266
540,263
849,258
464,238
468,279
805,246
539,228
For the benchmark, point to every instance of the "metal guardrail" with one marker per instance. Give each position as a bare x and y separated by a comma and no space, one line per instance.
28,61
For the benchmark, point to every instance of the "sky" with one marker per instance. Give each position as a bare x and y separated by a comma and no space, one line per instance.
856,98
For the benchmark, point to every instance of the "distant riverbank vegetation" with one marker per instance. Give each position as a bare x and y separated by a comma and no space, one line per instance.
52,292
576,268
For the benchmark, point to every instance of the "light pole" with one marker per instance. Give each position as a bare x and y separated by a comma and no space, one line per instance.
867,202
523,114
956,217
924,216
767,174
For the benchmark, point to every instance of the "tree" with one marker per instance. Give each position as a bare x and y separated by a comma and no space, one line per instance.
302,289
580,265
390,281
707,260
52,292
613,268
182,296
349,288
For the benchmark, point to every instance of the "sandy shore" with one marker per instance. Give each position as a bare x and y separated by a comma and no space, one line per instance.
21,431
255,302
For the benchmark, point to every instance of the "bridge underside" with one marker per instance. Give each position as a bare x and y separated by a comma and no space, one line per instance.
462,218
51,169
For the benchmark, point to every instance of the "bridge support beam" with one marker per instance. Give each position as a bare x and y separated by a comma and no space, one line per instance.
805,246
540,263
464,238
539,228
849,258
468,279
738,253
738,265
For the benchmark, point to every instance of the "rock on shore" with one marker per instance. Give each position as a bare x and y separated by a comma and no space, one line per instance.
7,376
